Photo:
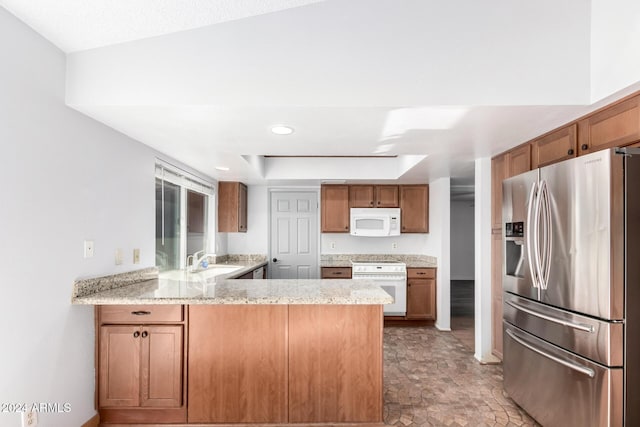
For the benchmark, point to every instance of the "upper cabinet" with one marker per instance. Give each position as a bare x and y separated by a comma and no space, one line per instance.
334,201
519,160
614,126
498,174
554,147
232,207
414,208
373,196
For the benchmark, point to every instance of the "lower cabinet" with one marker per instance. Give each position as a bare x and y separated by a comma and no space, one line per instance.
140,368
421,294
336,272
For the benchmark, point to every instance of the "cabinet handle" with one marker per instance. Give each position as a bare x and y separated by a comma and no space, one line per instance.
584,146
421,273
145,334
337,272
141,313
136,334
570,152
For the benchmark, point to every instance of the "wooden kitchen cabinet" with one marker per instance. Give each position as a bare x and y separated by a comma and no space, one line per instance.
232,207
414,208
336,272
373,196
141,366
421,294
334,200
559,145
519,160
498,174
614,126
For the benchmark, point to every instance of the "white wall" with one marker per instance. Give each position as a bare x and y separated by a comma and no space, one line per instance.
462,237
256,239
66,178
615,46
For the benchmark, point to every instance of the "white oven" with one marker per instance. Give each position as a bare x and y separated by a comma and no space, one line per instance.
390,276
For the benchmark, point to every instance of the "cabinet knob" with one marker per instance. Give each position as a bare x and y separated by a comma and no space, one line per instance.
346,228
136,334
570,152
584,146
145,334
378,201
371,203
141,313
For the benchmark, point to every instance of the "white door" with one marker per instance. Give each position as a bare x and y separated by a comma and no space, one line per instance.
294,235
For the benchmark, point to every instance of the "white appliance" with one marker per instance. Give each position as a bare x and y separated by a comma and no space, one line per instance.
374,222
390,276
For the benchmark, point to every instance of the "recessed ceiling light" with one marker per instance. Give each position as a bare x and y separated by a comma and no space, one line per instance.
282,130
222,168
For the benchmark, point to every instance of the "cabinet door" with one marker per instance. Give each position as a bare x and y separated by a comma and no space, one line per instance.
335,208
242,208
161,366
498,174
387,196
361,196
519,160
557,146
119,366
421,299
414,208
616,126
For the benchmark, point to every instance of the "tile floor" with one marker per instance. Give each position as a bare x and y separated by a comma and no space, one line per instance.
432,379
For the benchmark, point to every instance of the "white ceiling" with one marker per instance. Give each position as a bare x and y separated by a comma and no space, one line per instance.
448,81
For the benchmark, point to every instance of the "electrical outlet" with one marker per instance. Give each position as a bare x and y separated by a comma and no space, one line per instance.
394,245
29,418
136,256
118,256
333,245
88,248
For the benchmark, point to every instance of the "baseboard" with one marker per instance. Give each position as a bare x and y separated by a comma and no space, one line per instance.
93,422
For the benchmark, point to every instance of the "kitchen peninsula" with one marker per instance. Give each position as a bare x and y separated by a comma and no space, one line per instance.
214,350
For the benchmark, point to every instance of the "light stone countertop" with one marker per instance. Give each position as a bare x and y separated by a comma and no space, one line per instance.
234,291
216,286
344,260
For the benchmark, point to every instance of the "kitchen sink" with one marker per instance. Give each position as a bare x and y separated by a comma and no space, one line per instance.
212,270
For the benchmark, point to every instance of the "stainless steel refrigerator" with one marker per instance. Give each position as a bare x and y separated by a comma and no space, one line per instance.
571,279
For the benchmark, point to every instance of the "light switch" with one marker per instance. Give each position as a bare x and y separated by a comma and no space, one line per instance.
118,256
88,248
136,256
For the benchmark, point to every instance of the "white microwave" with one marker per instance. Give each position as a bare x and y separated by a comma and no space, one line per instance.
375,222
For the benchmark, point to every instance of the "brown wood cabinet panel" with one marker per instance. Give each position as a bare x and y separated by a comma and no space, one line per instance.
334,201
557,146
498,174
161,367
421,299
519,160
232,207
414,208
335,363
615,126
237,364
119,366
137,314
496,292
336,272
387,196
361,196
421,273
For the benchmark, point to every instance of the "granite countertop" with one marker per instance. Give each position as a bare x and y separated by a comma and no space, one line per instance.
344,260
216,286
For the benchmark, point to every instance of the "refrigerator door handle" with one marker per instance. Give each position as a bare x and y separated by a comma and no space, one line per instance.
571,365
545,265
578,326
530,231
536,236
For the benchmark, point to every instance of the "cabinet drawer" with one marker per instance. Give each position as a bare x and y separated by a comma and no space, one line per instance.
336,272
421,273
140,313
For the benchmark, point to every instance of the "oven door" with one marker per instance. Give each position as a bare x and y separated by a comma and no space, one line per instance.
398,290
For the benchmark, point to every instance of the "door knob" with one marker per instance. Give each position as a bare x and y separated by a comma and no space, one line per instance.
275,260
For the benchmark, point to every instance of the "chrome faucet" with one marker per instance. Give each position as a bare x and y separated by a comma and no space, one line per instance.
196,260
